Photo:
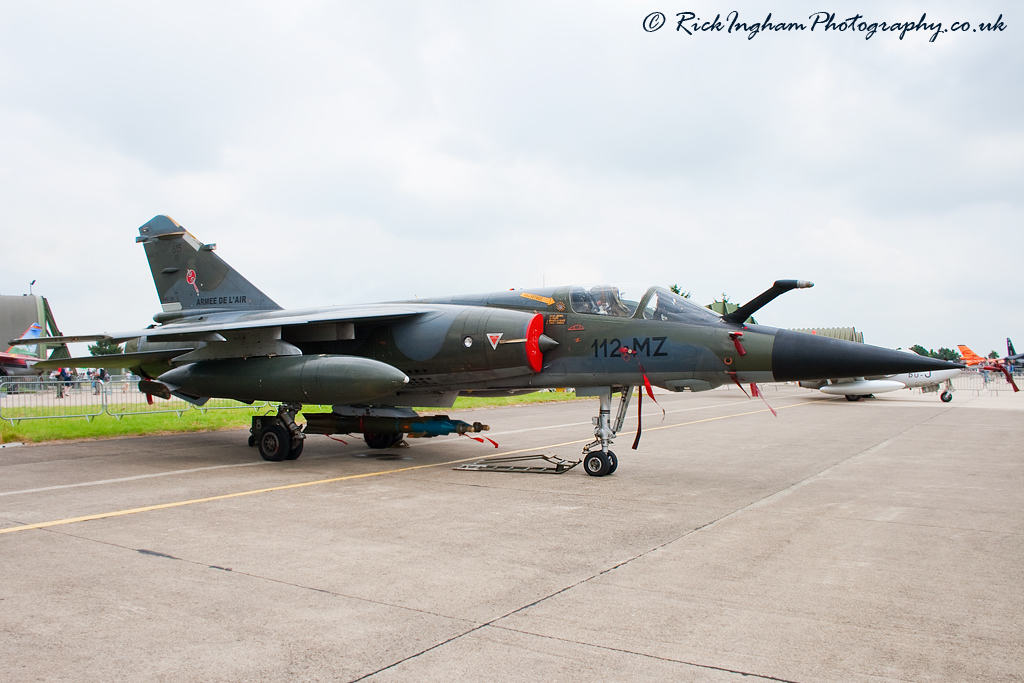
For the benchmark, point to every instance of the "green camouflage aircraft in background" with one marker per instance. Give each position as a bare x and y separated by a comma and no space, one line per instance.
218,336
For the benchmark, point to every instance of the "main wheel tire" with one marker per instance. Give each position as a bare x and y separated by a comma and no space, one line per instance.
274,443
597,464
296,449
852,397
384,440
613,463
946,396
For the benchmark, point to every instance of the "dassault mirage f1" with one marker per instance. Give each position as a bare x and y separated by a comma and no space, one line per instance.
218,336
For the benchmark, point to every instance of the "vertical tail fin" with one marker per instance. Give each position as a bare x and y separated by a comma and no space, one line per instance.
190,278
1009,348
34,331
969,357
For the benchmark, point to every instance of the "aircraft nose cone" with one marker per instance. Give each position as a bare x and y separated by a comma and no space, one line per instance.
800,356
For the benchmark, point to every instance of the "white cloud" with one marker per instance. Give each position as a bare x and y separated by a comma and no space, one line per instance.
342,152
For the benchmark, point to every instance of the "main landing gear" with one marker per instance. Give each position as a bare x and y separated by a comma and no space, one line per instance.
598,459
278,437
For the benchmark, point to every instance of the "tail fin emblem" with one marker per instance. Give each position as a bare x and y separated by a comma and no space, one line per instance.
190,277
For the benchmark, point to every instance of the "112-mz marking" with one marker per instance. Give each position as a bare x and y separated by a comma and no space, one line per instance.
649,346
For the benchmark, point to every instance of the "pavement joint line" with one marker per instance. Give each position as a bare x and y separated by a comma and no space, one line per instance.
350,477
697,665
689,533
564,589
493,622
867,451
259,577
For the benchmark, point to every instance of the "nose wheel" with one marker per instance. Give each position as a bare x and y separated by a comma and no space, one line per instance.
600,463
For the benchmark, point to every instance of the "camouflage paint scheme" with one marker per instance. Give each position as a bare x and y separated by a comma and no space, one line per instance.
219,336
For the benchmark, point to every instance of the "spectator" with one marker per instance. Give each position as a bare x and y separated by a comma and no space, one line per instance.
64,377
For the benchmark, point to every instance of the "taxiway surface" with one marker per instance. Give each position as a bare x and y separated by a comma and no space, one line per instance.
871,541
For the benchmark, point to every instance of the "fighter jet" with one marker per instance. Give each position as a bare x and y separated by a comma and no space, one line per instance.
969,357
856,388
1003,365
218,336
1012,357
20,358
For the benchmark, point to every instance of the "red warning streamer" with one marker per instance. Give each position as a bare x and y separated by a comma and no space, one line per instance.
736,336
626,353
481,439
753,389
1006,373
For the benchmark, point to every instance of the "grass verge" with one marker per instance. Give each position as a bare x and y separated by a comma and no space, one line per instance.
104,426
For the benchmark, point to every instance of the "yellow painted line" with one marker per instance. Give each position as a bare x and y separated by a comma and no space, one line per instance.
180,503
285,487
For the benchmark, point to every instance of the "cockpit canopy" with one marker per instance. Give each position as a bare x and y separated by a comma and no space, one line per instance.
602,300
622,301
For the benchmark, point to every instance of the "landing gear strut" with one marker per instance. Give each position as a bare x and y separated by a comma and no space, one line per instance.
278,438
598,459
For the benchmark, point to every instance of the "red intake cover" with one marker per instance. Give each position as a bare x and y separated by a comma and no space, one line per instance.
533,353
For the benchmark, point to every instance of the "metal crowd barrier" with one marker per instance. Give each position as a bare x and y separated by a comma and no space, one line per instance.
986,380
43,399
32,398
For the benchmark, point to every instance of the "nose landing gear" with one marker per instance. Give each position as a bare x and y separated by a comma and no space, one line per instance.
600,463
598,459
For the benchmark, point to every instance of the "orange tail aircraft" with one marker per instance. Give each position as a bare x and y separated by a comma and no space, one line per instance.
970,357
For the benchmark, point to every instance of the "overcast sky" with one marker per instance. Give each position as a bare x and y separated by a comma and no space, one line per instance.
354,152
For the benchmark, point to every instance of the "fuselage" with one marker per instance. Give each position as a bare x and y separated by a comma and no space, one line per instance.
15,365
554,337
881,385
